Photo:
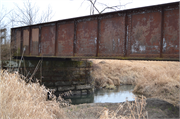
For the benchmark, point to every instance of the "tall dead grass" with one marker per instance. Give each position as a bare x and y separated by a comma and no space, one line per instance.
127,110
158,79
19,100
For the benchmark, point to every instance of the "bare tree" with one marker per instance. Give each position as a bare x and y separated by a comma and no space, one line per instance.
4,37
47,15
30,14
3,14
94,8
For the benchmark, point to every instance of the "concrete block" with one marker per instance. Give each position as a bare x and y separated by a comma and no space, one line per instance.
82,82
75,82
48,83
57,78
62,83
76,92
83,87
66,88
90,91
78,82
84,92
76,76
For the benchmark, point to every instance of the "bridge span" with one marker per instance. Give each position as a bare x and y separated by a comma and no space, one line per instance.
150,33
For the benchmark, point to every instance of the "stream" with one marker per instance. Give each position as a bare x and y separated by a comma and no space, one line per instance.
120,94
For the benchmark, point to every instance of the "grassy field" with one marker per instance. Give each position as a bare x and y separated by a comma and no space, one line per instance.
158,79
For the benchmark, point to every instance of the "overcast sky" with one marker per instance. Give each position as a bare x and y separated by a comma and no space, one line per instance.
74,8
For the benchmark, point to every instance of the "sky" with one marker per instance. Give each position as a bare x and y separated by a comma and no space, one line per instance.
64,9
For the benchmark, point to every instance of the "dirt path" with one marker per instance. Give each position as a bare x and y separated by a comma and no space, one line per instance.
156,109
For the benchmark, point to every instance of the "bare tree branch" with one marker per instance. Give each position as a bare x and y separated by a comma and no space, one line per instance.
3,14
93,6
118,7
47,15
30,14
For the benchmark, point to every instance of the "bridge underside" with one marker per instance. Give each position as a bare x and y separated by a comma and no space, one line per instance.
148,33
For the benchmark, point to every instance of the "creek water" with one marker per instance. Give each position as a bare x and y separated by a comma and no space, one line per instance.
120,94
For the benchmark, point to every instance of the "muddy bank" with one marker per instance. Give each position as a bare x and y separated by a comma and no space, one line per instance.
156,109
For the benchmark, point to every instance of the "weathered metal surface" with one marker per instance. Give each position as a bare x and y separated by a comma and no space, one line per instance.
35,42
18,42
145,34
142,33
86,41
112,36
26,41
65,39
48,40
171,32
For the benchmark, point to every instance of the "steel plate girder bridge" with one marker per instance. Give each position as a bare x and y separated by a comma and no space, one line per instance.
147,33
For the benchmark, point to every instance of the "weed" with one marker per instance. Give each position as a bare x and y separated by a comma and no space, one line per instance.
128,110
170,108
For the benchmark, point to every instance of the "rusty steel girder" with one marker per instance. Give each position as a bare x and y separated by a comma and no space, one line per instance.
150,33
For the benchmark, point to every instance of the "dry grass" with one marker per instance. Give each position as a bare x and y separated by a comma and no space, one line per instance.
20,100
125,110
135,110
159,79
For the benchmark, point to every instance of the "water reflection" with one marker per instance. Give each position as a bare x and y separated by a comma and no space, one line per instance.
104,95
82,99
114,96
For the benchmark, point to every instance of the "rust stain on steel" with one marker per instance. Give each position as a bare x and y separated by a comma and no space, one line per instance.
65,39
146,33
112,37
48,40
171,33
86,38
35,41
26,41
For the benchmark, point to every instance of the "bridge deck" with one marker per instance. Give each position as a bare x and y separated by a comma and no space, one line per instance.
150,33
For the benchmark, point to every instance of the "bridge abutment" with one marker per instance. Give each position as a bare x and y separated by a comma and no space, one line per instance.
59,75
